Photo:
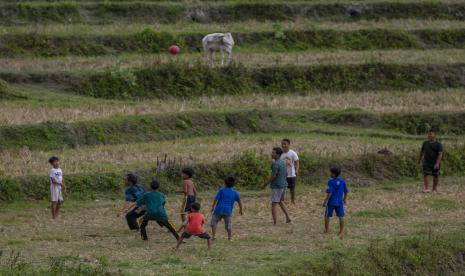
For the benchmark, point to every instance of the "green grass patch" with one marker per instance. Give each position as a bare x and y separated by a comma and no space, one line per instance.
383,213
150,41
151,12
442,203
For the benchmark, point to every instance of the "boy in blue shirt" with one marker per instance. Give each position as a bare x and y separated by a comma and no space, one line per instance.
223,207
132,193
336,197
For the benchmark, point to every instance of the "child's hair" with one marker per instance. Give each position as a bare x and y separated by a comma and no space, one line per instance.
195,206
433,130
188,171
131,178
278,151
229,181
154,185
286,140
335,170
53,159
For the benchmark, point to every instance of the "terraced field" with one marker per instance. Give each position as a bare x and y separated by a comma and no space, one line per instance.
92,82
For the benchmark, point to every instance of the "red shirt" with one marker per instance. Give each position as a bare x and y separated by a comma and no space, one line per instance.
195,223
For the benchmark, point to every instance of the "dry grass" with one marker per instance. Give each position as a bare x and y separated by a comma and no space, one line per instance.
208,150
68,108
73,64
91,231
245,26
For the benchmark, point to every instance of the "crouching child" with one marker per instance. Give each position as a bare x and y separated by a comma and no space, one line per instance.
336,197
193,226
154,202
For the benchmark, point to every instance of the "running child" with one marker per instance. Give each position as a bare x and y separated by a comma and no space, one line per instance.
193,226
132,193
56,185
154,203
336,197
430,158
278,184
223,206
293,165
190,193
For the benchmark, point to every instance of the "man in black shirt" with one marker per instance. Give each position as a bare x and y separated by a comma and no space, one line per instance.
430,157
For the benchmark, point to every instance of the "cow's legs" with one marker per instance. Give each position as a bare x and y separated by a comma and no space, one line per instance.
222,57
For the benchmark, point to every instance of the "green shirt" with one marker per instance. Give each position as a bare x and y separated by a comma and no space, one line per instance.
279,169
431,151
155,206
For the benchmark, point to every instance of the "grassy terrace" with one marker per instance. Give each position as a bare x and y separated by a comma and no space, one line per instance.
73,64
44,104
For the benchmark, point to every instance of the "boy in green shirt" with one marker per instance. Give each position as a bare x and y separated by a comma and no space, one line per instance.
278,184
430,158
154,203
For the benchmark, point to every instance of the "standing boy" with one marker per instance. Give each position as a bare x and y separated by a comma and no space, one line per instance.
154,203
190,193
194,226
278,184
336,197
430,157
223,206
56,185
292,161
133,192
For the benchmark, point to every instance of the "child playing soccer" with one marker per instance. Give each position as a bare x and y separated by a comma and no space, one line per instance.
154,203
194,226
132,193
56,185
223,206
430,157
336,197
190,193
293,164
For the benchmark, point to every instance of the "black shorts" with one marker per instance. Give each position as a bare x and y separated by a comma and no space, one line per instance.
291,182
205,235
430,170
190,199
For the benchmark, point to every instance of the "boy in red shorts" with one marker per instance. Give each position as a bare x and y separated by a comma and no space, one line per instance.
193,226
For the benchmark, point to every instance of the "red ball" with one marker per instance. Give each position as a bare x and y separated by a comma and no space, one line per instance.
174,49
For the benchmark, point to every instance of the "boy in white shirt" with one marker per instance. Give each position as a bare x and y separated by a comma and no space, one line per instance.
56,184
292,161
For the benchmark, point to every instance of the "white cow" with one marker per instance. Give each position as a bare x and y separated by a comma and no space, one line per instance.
217,42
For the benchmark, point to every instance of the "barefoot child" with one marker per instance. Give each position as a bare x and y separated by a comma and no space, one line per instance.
56,185
154,203
223,206
292,161
336,197
132,193
194,226
430,157
190,193
278,184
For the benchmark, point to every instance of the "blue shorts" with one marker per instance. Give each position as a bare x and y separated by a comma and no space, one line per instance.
330,209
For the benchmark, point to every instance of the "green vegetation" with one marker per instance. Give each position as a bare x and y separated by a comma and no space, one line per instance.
133,129
93,13
149,41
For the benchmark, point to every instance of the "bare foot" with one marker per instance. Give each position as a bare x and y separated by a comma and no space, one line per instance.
341,235
289,221
426,191
213,238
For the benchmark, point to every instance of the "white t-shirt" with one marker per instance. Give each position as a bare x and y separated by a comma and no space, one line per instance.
290,158
57,174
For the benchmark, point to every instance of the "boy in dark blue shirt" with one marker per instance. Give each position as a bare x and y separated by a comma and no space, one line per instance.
223,207
132,193
336,197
